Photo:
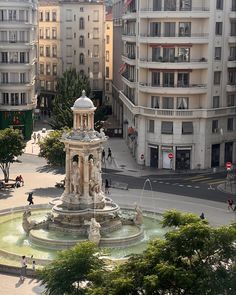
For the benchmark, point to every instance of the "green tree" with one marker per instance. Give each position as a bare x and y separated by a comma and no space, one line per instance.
11,145
52,149
194,258
73,270
69,88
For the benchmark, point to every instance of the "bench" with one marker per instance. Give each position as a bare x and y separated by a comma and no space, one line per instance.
8,185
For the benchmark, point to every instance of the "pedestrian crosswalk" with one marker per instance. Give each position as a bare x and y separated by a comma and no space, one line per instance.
205,179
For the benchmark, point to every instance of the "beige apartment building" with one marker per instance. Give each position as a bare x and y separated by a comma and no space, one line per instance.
179,82
72,36
108,59
18,59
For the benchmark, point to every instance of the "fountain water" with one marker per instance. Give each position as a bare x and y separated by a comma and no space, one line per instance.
144,185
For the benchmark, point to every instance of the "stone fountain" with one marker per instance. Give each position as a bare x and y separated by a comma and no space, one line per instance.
84,209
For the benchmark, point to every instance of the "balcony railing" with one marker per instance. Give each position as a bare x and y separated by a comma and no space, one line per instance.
192,35
130,56
14,41
15,83
180,9
15,62
13,104
173,60
130,79
14,20
178,85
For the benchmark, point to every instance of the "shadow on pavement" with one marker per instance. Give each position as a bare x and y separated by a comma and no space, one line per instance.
6,193
51,169
47,192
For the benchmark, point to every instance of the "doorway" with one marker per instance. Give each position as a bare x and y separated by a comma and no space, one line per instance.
229,152
182,159
215,155
154,157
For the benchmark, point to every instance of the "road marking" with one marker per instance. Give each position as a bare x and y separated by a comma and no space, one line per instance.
175,183
160,182
202,179
167,183
197,186
189,186
181,185
194,177
154,181
217,182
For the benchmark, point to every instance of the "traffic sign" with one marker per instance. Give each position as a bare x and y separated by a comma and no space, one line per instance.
170,155
228,166
142,157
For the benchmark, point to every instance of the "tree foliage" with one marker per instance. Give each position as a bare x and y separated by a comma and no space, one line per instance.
11,145
52,149
73,270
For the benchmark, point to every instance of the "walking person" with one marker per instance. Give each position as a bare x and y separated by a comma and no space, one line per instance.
202,216
34,136
109,154
30,199
230,203
107,187
103,155
38,137
23,268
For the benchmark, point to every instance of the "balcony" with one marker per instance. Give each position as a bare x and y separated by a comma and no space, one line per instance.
231,39
231,62
129,59
230,87
176,114
128,81
130,15
15,65
16,85
177,63
195,38
129,37
195,12
19,107
175,89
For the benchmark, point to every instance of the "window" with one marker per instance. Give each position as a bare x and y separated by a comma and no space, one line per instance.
168,79
95,15
187,127
81,9
156,5
95,67
155,102
74,17
231,100
22,15
167,102
40,33
95,50
217,53
42,84
168,54
185,29
54,51
183,80
48,85
47,33
151,126
68,33
107,39
107,86
232,53
216,102
107,72
14,99
81,41
214,126
233,5
81,58
3,35
169,29
166,127
81,23
40,16
54,33
182,103
4,57
155,29
219,4
183,54
54,16
12,36
218,29
13,57
41,69
170,5
48,69
11,15
74,52
217,77
47,16
47,51
68,15
185,5
68,50
54,69
230,124
41,51
232,77
24,57
96,33
95,83
156,53
4,78
233,28
107,55
23,98
155,79
5,98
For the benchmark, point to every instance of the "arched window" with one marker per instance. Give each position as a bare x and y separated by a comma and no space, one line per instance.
81,41
81,58
81,23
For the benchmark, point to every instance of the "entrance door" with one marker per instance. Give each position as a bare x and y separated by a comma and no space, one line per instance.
215,155
229,152
182,159
166,160
154,157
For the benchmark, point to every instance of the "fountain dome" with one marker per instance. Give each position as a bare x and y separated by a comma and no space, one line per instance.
83,102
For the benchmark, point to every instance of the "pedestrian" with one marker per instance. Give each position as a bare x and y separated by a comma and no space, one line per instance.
38,137
103,155
34,137
23,268
230,204
202,216
30,198
106,186
109,154
17,184
21,180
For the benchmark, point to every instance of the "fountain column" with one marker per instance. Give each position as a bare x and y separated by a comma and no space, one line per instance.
86,177
67,182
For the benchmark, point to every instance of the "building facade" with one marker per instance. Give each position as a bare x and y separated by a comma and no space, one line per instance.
108,59
18,61
179,82
72,37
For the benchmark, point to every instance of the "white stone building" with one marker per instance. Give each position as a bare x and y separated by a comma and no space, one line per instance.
179,82
18,38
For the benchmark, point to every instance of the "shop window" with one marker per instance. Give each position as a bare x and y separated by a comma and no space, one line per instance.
187,127
166,127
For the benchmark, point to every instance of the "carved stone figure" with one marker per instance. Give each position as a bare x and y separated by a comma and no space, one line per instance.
94,231
26,224
138,216
94,184
75,178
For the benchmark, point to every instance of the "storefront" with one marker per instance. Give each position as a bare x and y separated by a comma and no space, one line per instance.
183,158
229,152
167,163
